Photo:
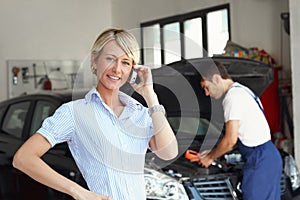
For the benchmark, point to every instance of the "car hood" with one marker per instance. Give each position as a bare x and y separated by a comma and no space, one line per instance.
255,74
178,84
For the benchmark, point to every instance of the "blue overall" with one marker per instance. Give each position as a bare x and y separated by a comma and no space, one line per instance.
261,172
263,168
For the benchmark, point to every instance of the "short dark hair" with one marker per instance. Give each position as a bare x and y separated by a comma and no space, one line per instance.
215,68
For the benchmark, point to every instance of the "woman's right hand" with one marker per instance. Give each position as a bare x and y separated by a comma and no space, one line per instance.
84,194
146,84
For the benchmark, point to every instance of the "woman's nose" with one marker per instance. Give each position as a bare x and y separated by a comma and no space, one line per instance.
117,66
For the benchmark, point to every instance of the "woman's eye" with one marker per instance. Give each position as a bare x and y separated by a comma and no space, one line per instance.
126,63
110,59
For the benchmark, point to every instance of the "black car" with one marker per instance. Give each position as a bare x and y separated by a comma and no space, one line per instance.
195,118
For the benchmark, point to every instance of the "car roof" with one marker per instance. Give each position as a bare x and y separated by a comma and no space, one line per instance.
60,95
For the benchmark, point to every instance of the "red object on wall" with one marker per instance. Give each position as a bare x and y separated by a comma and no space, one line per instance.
47,85
271,103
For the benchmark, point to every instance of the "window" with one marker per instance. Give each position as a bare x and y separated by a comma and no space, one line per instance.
217,27
197,34
152,45
42,110
14,120
193,40
171,42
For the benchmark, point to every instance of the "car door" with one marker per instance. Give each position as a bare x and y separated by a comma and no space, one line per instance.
13,121
20,118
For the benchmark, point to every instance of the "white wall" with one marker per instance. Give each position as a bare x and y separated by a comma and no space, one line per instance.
295,60
257,23
48,30
144,10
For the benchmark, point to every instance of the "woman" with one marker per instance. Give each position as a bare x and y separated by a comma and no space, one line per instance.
108,132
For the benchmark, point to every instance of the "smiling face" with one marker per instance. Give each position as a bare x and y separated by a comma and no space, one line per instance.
113,66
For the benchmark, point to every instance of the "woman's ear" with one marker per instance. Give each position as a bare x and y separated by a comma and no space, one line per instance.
94,69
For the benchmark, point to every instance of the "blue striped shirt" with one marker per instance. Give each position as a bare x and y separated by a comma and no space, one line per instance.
109,150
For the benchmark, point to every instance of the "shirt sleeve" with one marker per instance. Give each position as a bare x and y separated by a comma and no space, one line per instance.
234,106
59,127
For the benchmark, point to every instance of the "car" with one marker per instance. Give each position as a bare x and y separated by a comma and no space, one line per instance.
195,118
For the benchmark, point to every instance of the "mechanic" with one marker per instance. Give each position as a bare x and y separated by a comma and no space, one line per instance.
108,132
246,126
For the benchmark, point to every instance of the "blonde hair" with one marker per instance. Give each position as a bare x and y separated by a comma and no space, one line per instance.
124,39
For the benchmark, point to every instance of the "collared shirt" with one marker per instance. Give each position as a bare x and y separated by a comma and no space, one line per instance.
108,150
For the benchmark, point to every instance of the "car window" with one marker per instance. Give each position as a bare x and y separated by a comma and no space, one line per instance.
43,109
14,119
2,109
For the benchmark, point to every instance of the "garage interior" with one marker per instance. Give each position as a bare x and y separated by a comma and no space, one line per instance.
44,32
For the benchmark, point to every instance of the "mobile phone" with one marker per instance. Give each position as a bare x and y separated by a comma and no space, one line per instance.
133,77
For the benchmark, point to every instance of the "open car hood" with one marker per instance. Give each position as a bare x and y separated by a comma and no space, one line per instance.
178,84
254,74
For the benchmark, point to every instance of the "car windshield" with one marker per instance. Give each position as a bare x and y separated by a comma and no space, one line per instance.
189,125
194,133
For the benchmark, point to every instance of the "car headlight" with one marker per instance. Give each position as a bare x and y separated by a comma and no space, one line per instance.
291,170
160,186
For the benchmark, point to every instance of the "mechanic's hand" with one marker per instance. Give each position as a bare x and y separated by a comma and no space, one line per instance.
204,159
145,85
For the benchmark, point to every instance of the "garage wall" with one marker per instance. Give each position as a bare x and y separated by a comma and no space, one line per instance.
295,60
48,30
